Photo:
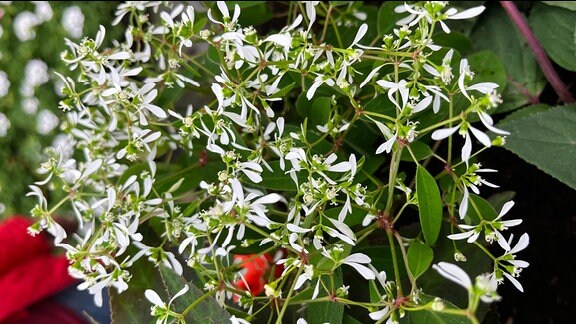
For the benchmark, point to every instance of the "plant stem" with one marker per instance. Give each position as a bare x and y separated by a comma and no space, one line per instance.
543,60
395,263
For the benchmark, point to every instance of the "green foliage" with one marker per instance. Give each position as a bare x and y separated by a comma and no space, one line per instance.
554,27
546,139
429,205
495,32
419,258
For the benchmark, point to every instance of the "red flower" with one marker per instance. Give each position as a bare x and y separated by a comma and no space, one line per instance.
256,272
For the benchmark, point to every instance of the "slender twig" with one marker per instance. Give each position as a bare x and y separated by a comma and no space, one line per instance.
543,60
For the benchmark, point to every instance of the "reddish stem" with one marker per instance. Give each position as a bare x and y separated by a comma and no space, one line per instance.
539,52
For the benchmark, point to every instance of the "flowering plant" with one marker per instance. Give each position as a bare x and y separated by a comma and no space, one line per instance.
31,35
226,173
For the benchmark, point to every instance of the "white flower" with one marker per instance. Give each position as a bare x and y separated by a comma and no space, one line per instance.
24,25
453,273
417,13
73,21
356,261
236,320
4,84
464,129
43,11
228,23
46,121
159,308
4,125
396,87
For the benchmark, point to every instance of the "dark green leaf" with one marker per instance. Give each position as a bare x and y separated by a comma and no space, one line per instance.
387,18
488,68
495,32
284,91
420,256
429,205
278,179
546,139
327,312
454,40
570,5
258,14
525,112
480,208
420,151
316,110
347,319
554,28
498,200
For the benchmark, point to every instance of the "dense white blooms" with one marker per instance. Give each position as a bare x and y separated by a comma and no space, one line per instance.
232,171
24,25
73,21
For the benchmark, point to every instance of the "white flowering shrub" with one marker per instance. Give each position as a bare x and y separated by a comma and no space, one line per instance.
31,36
315,171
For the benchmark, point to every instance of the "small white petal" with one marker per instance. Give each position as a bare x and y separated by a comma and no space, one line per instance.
468,13
361,32
467,149
443,133
454,273
153,297
506,208
460,236
515,282
522,244
482,137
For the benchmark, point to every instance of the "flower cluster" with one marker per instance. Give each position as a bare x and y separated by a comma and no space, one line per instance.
239,168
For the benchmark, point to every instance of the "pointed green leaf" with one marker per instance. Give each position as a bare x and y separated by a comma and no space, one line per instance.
420,256
547,140
429,205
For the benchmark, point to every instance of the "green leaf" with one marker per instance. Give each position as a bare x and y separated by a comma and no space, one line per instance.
454,40
429,205
480,209
420,150
278,179
420,256
547,140
429,316
498,200
132,307
488,68
570,5
347,319
327,312
525,112
387,18
258,14
495,32
554,28
317,110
